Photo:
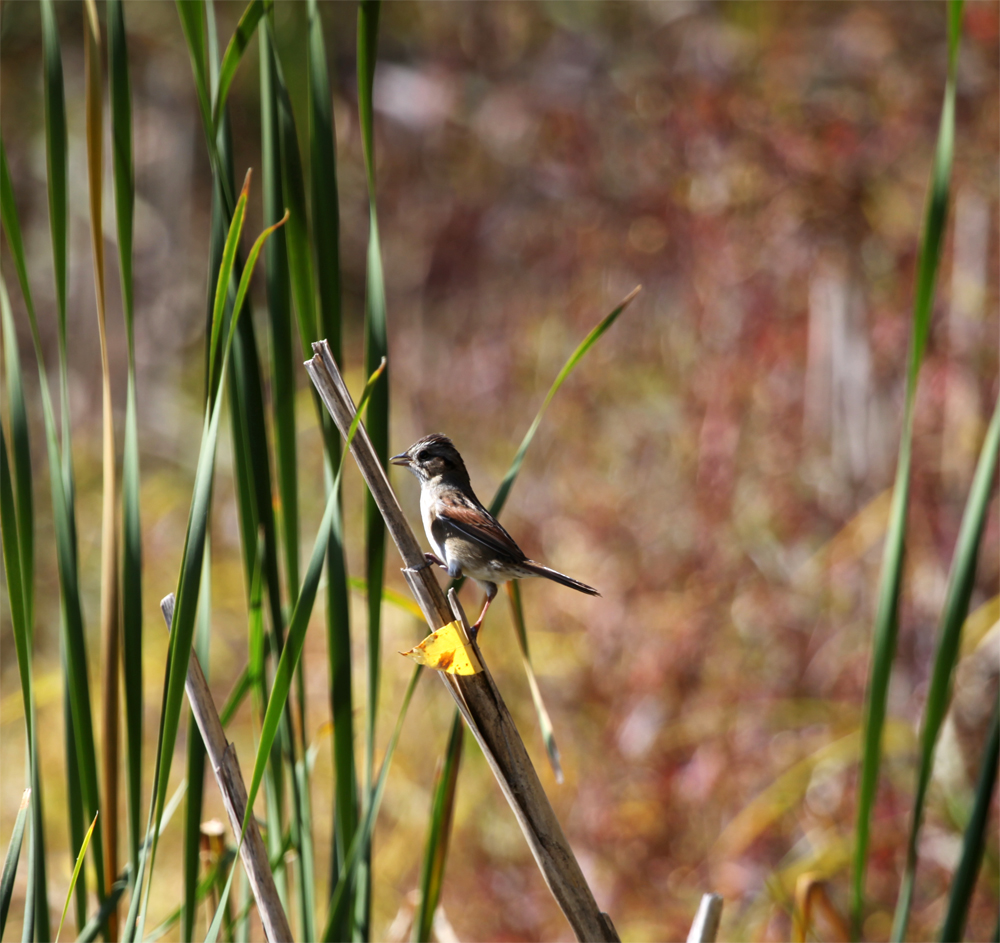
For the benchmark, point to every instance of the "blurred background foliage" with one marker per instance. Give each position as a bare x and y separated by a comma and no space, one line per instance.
718,466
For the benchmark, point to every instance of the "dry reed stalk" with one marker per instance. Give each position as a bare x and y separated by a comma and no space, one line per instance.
234,795
476,695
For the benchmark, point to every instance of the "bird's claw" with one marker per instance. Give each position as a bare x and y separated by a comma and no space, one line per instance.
432,559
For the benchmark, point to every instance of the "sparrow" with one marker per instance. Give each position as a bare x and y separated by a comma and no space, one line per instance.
466,539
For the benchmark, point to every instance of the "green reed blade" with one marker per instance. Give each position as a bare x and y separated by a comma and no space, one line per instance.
338,630
17,596
191,14
60,460
36,904
279,309
323,187
12,228
222,287
293,183
304,287
280,276
56,157
18,516
64,513
191,854
245,29
58,186
12,522
439,834
249,427
21,460
281,140
76,873
251,458
76,810
964,881
956,607
120,96
131,575
13,848
376,348
326,246
887,612
255,629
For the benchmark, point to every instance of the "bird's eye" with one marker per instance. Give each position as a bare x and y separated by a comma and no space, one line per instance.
419,456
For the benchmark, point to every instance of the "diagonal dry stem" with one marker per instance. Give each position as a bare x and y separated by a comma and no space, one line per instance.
476,695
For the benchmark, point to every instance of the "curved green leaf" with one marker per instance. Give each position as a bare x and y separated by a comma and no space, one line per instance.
887,613
245,29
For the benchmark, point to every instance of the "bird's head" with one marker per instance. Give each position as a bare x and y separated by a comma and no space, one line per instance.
433,456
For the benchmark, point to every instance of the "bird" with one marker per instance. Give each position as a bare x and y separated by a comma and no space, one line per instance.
466,539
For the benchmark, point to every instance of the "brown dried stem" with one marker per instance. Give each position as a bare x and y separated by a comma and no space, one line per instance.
476,695
234,795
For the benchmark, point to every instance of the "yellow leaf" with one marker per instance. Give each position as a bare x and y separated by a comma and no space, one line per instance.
446,650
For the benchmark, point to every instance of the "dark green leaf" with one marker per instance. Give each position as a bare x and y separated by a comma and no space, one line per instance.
131,579
376,348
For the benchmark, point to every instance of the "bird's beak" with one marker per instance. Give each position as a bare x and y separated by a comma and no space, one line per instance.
402,459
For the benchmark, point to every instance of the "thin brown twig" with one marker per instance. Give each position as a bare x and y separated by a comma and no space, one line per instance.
234,795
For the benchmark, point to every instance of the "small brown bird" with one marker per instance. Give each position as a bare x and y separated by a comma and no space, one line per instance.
466,538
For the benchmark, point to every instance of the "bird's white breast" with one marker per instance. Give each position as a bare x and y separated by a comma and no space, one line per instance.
427,515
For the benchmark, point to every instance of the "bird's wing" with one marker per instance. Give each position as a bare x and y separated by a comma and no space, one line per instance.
476,523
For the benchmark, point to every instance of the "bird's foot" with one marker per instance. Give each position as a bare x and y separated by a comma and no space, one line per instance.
432,558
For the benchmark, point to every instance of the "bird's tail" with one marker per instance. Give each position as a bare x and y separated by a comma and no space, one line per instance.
558,577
